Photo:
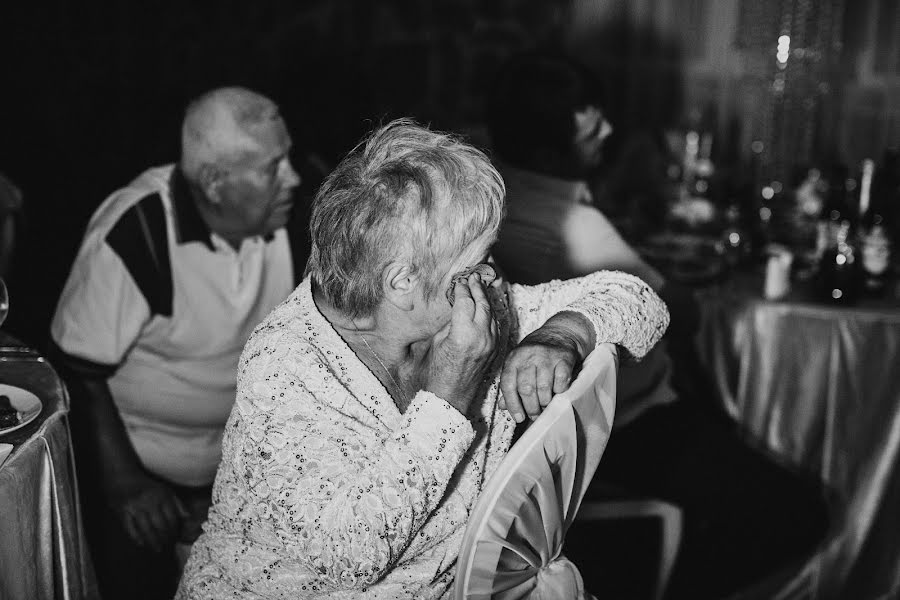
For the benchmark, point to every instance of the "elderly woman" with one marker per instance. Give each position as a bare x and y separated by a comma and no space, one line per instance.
375,402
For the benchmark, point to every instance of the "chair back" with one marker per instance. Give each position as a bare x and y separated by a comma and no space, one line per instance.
513,541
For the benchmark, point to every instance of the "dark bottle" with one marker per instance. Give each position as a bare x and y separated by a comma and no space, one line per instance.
735,239
887,190
698,169
841,188
849,208
839,271
808,234
874,239
833,209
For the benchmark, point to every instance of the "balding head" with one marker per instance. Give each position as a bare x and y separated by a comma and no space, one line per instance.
234,152
220,129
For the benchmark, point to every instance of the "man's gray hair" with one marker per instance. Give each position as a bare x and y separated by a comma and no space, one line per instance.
405,193
218,126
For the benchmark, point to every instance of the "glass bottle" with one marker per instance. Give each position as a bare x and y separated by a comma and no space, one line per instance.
887,190
735,240
875,244
839,271
843,190
698,168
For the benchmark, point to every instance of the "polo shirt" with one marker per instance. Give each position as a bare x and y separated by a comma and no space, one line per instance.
161,307
553,231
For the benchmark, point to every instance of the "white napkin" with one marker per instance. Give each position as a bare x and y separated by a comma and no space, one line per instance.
5,450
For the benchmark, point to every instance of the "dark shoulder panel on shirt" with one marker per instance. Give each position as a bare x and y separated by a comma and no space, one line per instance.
139,238
67,364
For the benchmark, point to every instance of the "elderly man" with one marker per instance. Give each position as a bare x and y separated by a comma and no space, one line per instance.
745,517
175,271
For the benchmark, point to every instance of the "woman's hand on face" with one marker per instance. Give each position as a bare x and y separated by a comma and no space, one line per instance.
463,352
539,367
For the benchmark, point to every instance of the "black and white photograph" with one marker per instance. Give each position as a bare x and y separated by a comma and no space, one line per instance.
450,300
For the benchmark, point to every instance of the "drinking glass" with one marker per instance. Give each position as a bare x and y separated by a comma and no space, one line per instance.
4,301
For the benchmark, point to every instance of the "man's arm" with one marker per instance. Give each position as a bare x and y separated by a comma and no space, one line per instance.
148,509
594,244
119,281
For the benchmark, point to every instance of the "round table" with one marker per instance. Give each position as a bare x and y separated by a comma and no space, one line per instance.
820,385
42,546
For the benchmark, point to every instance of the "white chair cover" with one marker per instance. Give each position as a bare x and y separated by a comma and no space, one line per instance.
513,541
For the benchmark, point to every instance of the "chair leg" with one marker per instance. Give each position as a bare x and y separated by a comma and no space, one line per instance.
671,518
669,514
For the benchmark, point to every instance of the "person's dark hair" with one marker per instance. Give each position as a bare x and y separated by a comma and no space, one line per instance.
531,106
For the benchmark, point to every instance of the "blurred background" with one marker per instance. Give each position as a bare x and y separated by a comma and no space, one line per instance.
93,92
745,131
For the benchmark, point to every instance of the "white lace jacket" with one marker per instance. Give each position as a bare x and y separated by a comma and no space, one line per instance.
326,490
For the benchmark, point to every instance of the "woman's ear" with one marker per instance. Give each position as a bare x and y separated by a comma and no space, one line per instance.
399,283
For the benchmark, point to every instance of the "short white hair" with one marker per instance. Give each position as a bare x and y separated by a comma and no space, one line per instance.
218,128
404,193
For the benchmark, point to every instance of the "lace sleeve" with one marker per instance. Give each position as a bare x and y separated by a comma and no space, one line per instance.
344,500
622,308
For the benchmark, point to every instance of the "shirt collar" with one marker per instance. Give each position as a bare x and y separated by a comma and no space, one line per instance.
574,190
189,223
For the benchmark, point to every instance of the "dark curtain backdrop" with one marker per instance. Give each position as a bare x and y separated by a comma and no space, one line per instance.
92,92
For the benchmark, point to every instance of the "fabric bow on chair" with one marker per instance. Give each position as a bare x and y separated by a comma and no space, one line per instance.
513,543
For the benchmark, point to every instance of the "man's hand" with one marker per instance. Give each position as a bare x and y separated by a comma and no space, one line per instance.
149,510
542,364
463,352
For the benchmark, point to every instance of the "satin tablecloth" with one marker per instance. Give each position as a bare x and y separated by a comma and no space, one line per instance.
43,554
821,386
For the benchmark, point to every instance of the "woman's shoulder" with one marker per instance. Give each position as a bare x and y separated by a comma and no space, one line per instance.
279,373
289,333
291,323
283,327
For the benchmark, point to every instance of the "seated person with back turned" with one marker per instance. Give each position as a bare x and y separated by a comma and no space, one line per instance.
369,411
745,517
174,272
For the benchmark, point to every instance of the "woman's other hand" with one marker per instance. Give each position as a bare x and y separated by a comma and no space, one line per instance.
463,352
542,364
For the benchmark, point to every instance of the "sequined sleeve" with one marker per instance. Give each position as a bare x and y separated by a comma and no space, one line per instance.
343,504
622,308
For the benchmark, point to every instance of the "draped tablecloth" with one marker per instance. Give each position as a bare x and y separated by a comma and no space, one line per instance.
43,554
820,385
